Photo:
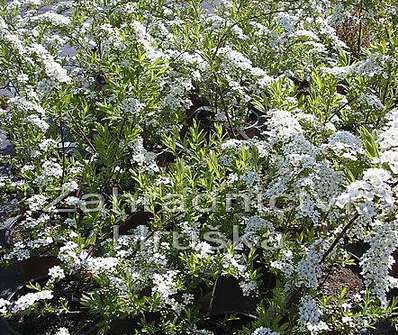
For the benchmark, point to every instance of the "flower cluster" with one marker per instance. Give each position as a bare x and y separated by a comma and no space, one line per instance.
179,165
310,316
28,300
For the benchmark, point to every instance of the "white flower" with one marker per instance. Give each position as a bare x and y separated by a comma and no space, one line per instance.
146,40
389,142
38,122
377,261
308,268
370,67
232,262
203,249
264,331
287,21
54,18
133,106
69,255
232,144
305,33
163,181
282,125
220,117
51,169
76,169
47,144
200,332
250,178
28,106
4,304
330,33
377,177
238,32
165,286
362,193
345,144
71,186
100,265
56,273
27,168
310,315
372,101
260,30
248,287
23,77
74,201
144,158
176,96
62,331
37,202
40,242
256,223
346,306
19,251
391,158
237,61
346,319
53,69
30,299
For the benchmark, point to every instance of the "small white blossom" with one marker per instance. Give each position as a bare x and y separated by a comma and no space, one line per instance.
346,145
264,331
62,331
37,202
377,261
165,287
203,249
38,122
51,169
71,186
100,265
4,304
308,268
53,69
53,18
310,316
30,299
56,273
133,106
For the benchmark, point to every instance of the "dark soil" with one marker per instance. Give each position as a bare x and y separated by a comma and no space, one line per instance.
340,278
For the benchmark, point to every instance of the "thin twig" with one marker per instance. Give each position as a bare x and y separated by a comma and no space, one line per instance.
338,110
82,133
343,232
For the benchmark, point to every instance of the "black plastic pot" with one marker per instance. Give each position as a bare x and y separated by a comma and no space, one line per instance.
228,298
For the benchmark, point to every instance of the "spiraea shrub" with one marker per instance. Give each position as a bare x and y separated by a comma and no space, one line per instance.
190,167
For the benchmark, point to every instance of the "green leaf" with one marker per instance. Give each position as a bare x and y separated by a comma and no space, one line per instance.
370,143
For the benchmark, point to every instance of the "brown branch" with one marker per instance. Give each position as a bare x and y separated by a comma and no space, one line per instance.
343,232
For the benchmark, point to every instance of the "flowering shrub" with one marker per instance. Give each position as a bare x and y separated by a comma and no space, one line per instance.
165,148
